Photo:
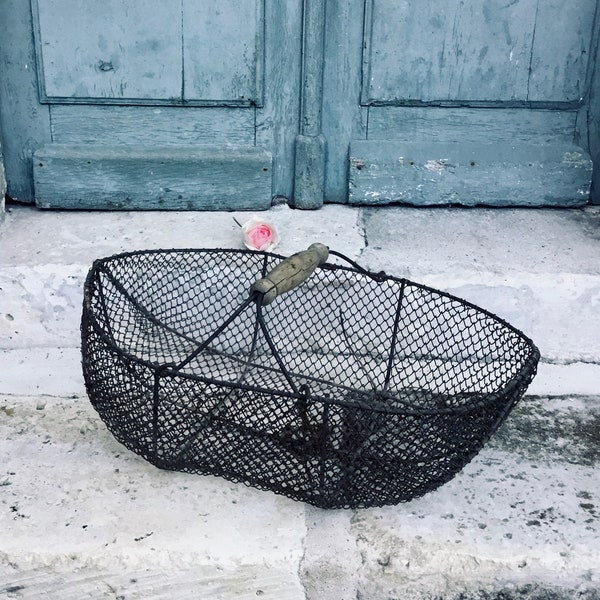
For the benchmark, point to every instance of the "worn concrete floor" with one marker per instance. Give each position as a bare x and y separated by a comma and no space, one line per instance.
82,517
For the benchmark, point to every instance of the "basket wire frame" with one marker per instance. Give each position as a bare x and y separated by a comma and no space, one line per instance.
355,389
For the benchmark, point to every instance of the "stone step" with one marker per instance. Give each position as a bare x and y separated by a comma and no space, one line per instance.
83,517
538,269
80,516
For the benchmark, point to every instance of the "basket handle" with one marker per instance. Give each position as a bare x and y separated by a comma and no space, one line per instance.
289,273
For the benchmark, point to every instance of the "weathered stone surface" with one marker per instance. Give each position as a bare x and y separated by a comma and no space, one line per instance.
521,521
80,516
77,510
534,268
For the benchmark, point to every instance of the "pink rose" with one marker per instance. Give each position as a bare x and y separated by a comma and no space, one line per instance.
260,235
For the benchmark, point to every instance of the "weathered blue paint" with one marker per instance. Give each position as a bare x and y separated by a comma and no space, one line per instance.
167,125
464,50
301,80
2,181
310,171
109,72
141,177
435,124
24,123
223,50
590,116
107,52
277,121
344,119
505,82
193,52
426,173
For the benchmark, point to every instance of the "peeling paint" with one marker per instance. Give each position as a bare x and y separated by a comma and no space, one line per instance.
576,159
498,173
357,163
438,166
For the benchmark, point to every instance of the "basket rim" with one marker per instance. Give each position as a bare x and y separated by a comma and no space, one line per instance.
522,377
383,276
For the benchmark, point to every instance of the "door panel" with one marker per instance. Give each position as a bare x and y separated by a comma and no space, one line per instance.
108,72
471,51
149,51
447,51
562,56
108,52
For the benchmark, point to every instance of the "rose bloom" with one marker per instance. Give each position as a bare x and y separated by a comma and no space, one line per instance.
260,235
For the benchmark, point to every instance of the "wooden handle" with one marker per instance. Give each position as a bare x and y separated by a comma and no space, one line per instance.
290,273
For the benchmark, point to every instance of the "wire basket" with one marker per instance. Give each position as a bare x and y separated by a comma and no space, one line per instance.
353,389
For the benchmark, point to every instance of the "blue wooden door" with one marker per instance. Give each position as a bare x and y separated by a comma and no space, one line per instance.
460,101
187,104
225,104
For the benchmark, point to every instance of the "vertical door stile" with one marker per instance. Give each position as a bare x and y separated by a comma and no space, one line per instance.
589,114
182,57
309,178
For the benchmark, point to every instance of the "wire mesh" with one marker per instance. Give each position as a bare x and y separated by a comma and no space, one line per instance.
353,390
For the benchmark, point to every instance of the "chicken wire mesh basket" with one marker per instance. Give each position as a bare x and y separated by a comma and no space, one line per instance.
353,389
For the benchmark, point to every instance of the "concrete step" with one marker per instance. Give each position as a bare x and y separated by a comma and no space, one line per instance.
45,256
538,269
81,517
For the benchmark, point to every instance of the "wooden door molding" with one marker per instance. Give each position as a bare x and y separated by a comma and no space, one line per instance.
309,174
161,178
